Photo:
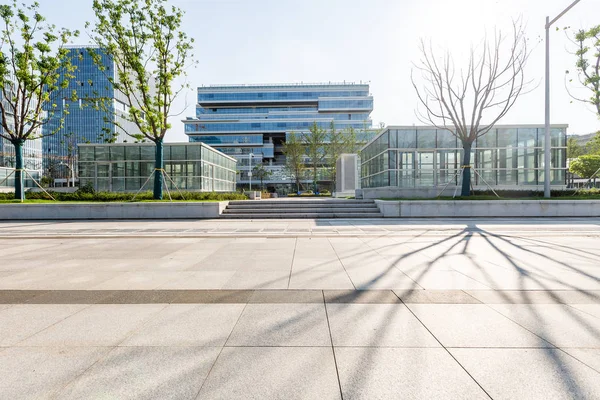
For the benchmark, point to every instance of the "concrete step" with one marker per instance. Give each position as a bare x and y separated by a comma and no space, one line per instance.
297,202
257,205
301,215
311,210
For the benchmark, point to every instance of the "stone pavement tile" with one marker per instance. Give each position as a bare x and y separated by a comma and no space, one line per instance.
436,297
188,325
258,280
407,373
377,325
200,280
378,278
97,325
272,373
361,296
23,320
536,296
473,325
444,280
529,373
213,296
281,325
323,279
317,264
18,296
286,296
145,373
70,297
592,309
139,297
40,372
138,280
561,325
590,357
56,279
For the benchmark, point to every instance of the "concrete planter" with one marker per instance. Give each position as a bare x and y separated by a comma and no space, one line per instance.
66,211
488,208
254,195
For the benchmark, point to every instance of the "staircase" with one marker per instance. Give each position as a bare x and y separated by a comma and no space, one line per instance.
301,208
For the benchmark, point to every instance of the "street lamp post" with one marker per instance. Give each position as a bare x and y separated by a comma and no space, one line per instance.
547,143
250,171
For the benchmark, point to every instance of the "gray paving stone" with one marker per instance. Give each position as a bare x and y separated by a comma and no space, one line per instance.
286,296
361,296
18,296
281,325
385,325
145,373
272,373
139,297
40,372
213,296
592,309
97,325
536,296
529,373
436,297
70,297
188,325
590,357
561,325
407,373
23,320
473,325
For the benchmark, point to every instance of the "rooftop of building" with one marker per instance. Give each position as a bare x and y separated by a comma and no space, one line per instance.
285,86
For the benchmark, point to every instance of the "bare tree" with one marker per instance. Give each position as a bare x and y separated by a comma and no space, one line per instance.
458,101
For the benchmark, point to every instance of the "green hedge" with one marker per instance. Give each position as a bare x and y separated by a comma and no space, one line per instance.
83,195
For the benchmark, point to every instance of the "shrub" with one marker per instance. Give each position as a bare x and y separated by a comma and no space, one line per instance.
85,195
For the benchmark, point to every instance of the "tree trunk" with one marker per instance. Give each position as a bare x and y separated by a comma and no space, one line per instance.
19,190
158,169
314,180
466,166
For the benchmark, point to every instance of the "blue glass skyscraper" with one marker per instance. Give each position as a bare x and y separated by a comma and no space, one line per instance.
240,120
85,122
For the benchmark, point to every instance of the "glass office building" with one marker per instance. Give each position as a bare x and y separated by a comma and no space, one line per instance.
32,161
240,120
508,157
84,123
126,167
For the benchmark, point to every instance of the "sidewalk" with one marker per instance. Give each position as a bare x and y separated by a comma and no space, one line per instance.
500,309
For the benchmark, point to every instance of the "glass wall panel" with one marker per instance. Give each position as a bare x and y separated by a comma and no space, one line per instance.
426,138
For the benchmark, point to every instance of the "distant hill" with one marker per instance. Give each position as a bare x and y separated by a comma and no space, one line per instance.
583,139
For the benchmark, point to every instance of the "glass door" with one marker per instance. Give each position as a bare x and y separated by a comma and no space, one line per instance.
425,168
103,177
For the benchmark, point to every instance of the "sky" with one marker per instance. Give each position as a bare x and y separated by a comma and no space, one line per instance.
375,41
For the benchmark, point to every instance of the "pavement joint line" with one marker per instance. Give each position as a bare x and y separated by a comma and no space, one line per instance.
292,263
221,351
337,372
445,348
342,263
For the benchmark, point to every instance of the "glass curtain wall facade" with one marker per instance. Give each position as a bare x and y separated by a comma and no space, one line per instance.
421,157
241,120
126,167
84,122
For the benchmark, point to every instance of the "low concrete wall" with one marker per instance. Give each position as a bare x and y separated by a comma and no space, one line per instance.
63,211
489,208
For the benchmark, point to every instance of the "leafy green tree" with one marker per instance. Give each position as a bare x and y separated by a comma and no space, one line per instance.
151,53
586,166
588,64
574,149
459,99
260,172
593,146
314,143
293,149
32,57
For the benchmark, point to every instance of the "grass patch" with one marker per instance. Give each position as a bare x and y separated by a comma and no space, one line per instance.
583,194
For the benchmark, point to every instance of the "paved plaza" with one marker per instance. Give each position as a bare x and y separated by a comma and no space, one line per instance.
291,309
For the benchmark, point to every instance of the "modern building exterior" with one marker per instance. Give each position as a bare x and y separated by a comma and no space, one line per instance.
84,122
126,167
404,161
251,122
32,161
